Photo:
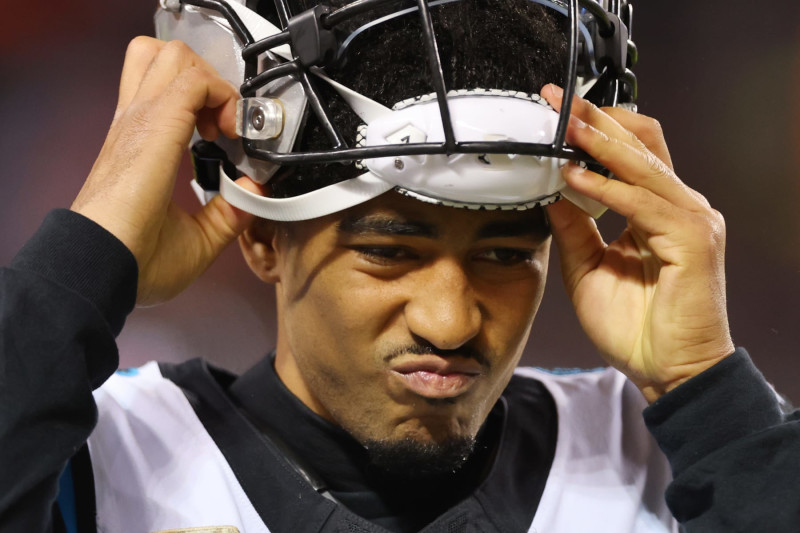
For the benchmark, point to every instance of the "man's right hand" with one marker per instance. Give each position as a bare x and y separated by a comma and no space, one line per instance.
165,91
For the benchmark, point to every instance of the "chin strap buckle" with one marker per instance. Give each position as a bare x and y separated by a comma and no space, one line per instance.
206,160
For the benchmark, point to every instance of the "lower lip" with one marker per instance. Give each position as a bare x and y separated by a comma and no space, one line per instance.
436,386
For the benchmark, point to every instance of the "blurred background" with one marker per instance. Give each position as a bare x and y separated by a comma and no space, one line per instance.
720,76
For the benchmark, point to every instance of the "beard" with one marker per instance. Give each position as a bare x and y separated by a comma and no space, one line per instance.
408,460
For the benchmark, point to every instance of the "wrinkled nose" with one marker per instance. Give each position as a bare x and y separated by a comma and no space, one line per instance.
444,309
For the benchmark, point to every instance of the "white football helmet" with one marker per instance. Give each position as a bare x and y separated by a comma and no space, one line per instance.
475,148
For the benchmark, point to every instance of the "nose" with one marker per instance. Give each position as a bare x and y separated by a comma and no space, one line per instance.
444,309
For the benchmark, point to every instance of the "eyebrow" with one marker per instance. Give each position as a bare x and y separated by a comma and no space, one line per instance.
386,225
378,224
513,228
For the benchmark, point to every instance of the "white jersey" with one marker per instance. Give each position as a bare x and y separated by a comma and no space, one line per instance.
156,467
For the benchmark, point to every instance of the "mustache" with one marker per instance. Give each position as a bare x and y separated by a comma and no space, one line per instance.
423,348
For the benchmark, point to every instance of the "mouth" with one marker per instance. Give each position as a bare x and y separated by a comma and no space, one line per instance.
437,377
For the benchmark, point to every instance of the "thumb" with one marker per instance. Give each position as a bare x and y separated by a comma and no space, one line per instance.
221,223
579,242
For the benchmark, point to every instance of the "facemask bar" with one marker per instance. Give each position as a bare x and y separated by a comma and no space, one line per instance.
318,46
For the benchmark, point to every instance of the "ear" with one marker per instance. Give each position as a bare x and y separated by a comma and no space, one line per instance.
259,244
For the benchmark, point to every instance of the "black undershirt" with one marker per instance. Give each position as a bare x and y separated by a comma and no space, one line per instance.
338,459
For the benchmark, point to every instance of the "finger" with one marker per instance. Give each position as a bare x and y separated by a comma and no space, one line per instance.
221,223
648,130
225,116
207,124
579,242
212,121
191,83
643,209
140,54
643,164
172,59
151,137
590,114
174,115
633,165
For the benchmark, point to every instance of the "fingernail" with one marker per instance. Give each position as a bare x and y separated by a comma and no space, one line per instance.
571,168
576,122
557,91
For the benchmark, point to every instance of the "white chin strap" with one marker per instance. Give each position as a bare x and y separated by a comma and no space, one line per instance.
314,204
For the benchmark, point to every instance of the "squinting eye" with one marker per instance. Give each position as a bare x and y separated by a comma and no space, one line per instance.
384,254
506,256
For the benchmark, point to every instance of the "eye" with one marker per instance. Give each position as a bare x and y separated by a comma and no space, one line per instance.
506,256
385,255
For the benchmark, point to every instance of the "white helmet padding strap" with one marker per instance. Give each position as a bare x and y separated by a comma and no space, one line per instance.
317,203
366,108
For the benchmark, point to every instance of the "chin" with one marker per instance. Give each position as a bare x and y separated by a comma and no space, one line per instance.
419,459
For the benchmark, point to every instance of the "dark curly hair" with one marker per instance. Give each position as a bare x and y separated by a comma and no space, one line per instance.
495,44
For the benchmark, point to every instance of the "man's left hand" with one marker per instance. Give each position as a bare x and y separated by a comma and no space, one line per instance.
653,301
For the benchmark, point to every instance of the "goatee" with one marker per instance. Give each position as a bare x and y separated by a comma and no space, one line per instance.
410,460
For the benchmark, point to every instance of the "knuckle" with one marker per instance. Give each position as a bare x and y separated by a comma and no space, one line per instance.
191,78
709,225
652,124
186,80
718,221
606,189
704,202
176,47
175,52
603,147
651,130
602,140
633,138
620,114
600,145
591,108
656,165
141,46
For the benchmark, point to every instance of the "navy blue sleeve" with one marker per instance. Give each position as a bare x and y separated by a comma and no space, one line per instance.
63,300
735,455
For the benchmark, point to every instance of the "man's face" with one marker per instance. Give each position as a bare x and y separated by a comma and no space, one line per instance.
400,320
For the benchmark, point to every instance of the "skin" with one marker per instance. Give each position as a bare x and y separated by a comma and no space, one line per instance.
165,90
359,286
652,301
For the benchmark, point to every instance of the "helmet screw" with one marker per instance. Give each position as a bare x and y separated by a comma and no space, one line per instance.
257,118
398,164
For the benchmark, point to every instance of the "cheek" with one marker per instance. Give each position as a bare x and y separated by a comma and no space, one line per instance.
333,323
344,308
334,331
511,307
